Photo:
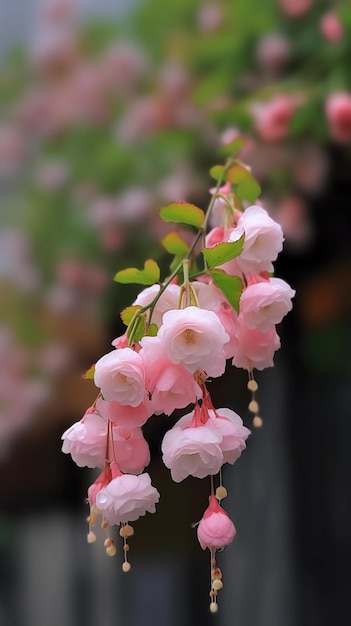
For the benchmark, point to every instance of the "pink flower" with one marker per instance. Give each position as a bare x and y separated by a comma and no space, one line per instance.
234,434
126,498
265,303
196,338
263,240
190,450
167,301
120,376
272,118
216,530
171,386
131,450
273,52
338,112
254,349
331,27
85,441
295,8
126,415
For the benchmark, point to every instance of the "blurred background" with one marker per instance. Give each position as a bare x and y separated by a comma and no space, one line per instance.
108,110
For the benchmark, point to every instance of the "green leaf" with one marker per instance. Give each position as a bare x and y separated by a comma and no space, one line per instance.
248,190
231,286
128,313
217,172
237,174
147,276
138,329
233,148
89,374
183,213
223,252
174,244
153,330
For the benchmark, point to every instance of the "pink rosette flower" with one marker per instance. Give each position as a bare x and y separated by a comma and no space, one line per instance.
85,440
265,303
254,349
196,338
120,376
192,450
338,112
171,386
232,430
130,449
167,301
272,118
215,530
126,498
263,240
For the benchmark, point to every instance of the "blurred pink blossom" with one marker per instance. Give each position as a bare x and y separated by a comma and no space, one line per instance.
273,52
331,27
272,118
338,113
210,17
296,8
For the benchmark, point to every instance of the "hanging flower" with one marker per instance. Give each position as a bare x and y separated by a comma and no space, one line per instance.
85,440
120,376
215,530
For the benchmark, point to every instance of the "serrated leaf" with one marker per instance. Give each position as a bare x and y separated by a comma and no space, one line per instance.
174,244
89,374
147,276
183,213
248,190
223,252
217,172
128,313
231,286
153,330
233,148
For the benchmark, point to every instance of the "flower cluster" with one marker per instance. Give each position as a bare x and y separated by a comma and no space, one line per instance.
181,333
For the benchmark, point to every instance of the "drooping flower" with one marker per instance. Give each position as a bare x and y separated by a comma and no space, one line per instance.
254,349
192,450
126,498
167,301
85,440
130,449
196,338
233,432
126,415
215,530
120,376
264,304
263,240
171,385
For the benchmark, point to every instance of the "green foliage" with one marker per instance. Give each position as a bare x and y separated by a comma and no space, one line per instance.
223,252
183,213
147,276
231,286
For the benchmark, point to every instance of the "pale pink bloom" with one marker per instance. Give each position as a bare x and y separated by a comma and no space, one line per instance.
192,450
126,498
272,118
224,422
296,8
234,434
171,386
102,481
331,27
58,11
196,338
215,530
265,303
210,17
122,66
210,297
168,300
126,415
131,450
254,349
120,376
338,112
263,240
85,441
273,52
